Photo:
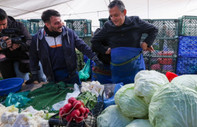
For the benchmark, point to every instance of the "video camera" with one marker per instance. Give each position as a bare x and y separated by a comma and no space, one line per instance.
13,34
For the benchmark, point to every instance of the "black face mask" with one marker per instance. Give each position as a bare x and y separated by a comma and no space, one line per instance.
51,33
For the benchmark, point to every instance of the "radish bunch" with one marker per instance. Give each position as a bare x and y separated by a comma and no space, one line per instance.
74,110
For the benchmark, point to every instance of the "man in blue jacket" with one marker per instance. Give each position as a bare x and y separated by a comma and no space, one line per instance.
54,46
123,35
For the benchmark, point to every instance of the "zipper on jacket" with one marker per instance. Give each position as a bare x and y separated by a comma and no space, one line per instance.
55,42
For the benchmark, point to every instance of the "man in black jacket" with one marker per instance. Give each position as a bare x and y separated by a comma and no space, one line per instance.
123,34
13,54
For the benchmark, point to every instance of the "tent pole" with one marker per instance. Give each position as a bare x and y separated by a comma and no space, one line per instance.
148,8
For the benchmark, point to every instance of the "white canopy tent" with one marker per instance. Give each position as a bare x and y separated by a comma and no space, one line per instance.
96,9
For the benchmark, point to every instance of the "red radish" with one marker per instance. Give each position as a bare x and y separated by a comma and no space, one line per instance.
68,118
61,108
77,104
82,110
75,113
67,107
82,103
71,100
87,110
86,116
79,119
61,113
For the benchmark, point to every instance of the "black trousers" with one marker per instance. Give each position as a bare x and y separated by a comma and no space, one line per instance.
7,69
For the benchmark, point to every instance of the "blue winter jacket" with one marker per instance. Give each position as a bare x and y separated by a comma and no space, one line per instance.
70,41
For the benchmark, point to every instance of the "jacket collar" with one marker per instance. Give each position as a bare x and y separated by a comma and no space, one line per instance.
127,21
41,32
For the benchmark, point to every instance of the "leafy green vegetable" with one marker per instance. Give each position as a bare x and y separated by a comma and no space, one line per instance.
89,99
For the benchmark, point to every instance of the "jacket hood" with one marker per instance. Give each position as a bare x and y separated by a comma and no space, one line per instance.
11,20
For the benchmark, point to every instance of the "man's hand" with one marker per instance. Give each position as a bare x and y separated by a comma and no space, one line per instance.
145,47
8,41
108,51
98,62
14,47
32,79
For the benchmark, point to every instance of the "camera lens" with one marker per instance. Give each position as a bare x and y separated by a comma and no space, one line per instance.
3,44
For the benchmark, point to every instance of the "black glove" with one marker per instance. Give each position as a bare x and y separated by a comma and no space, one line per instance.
33,78
98,62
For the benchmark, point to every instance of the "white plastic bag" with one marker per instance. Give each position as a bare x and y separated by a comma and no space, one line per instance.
75,94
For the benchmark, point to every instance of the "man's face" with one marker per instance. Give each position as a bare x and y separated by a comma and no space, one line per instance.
55,24
3,24
117,17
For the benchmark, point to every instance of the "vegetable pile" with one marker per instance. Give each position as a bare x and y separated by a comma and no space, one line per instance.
74,110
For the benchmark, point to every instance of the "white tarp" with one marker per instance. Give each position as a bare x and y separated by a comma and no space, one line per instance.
96,9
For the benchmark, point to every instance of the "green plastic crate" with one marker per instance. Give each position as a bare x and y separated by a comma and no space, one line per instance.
35,25
82,27
188,26
167,28
102,21
32,25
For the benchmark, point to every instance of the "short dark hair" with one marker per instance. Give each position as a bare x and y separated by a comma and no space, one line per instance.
117,3
3,14
46,15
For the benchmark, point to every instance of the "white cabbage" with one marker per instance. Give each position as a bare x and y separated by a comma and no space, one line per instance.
147,82
129,104
139,123
189,81
173,106
112,117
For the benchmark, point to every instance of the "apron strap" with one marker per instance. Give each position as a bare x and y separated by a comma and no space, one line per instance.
132,59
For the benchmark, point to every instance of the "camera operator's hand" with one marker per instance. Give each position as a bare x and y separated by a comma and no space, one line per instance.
14,46
8,41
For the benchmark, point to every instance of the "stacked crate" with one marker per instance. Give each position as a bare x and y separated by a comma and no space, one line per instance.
32,25
164,57
187,53
102,22
82,27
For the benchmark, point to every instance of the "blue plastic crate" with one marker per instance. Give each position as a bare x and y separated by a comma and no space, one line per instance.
186,65
10,85
187,46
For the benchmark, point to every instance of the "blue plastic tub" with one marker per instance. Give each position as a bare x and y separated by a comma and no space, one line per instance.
10,85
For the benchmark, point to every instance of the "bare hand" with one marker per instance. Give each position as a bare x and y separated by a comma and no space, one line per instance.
145,47
108,51
14,47
8,41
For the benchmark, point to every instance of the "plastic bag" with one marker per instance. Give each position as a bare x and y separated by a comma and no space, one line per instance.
19,100
75,93
84,74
